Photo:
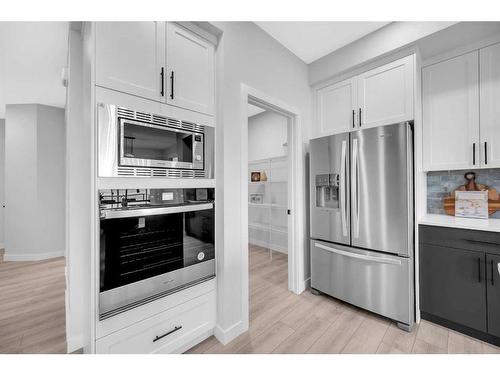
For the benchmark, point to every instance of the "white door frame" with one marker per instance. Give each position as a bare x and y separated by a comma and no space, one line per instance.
296,282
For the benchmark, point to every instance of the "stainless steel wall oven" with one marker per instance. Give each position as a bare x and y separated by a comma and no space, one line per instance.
153,243
139,144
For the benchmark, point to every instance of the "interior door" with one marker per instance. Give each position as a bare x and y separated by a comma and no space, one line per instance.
451,113
336,107
385,94
330,216
493,293
130,56
381,192
452,285
490,110
190,73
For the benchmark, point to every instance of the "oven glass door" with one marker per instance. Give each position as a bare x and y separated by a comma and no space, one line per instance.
148,145
139,248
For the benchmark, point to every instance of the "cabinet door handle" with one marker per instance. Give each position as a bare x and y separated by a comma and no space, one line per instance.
172,85
474,153
166,334
479,270
162,77
353,115
492,274
360,117
485,152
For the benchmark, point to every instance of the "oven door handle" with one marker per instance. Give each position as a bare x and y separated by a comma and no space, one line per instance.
155,211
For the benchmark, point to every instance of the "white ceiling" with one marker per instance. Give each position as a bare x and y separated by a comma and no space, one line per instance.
31,61
311,40
254,110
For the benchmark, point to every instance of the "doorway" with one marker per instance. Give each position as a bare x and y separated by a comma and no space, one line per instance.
267,205
280,243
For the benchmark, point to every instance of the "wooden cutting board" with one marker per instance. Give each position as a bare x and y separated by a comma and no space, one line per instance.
470,177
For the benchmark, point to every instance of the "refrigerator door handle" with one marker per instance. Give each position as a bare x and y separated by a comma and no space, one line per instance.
343,205
355,188
359,256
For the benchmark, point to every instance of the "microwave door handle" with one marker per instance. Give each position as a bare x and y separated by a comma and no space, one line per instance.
118,214
343,205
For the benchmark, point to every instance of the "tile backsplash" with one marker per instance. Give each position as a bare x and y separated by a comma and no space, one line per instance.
440,184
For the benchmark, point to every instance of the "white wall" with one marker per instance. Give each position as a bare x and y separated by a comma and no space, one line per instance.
267,132
2,181
34,182
246,55
78,202
386,40
33,55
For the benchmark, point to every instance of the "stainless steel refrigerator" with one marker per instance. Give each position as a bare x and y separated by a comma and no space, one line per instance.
362,228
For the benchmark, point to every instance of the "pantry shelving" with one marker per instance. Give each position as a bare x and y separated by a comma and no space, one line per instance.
267,207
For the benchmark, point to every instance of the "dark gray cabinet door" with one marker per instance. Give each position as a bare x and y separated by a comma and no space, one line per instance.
493,289
452,285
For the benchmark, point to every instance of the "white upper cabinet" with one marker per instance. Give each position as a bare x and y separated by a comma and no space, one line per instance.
385,94
161,61
451,113
381,96
190,69
490,106
129,57
337,107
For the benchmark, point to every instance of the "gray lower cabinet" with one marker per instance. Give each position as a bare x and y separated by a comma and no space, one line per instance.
493,295
452,285
460,280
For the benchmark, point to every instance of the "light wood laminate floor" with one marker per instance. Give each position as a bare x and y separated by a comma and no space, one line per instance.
282,322
32,311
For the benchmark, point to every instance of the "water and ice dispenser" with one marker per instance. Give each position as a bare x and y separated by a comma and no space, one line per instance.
327,190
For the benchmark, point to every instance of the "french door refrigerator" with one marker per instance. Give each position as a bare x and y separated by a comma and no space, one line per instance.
362,228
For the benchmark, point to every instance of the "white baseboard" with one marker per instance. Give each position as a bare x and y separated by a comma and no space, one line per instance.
74,343
30,257
304,285
225,336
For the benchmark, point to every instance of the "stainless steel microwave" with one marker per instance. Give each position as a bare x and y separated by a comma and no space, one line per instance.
139,144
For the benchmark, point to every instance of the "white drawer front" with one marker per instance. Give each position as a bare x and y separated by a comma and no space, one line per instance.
166,332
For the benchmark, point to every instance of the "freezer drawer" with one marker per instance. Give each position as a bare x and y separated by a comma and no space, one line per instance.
377,282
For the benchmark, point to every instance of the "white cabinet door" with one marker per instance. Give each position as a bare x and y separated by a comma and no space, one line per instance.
490,106
336,107
385,94
190,62
129,57
451,113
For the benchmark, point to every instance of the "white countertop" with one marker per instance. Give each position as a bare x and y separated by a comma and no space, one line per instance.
490,225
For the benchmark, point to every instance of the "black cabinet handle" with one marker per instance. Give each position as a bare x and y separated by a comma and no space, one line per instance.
166,334
360,117
162,76
172,85
492,274
474,154
485,152
479,269
353,115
